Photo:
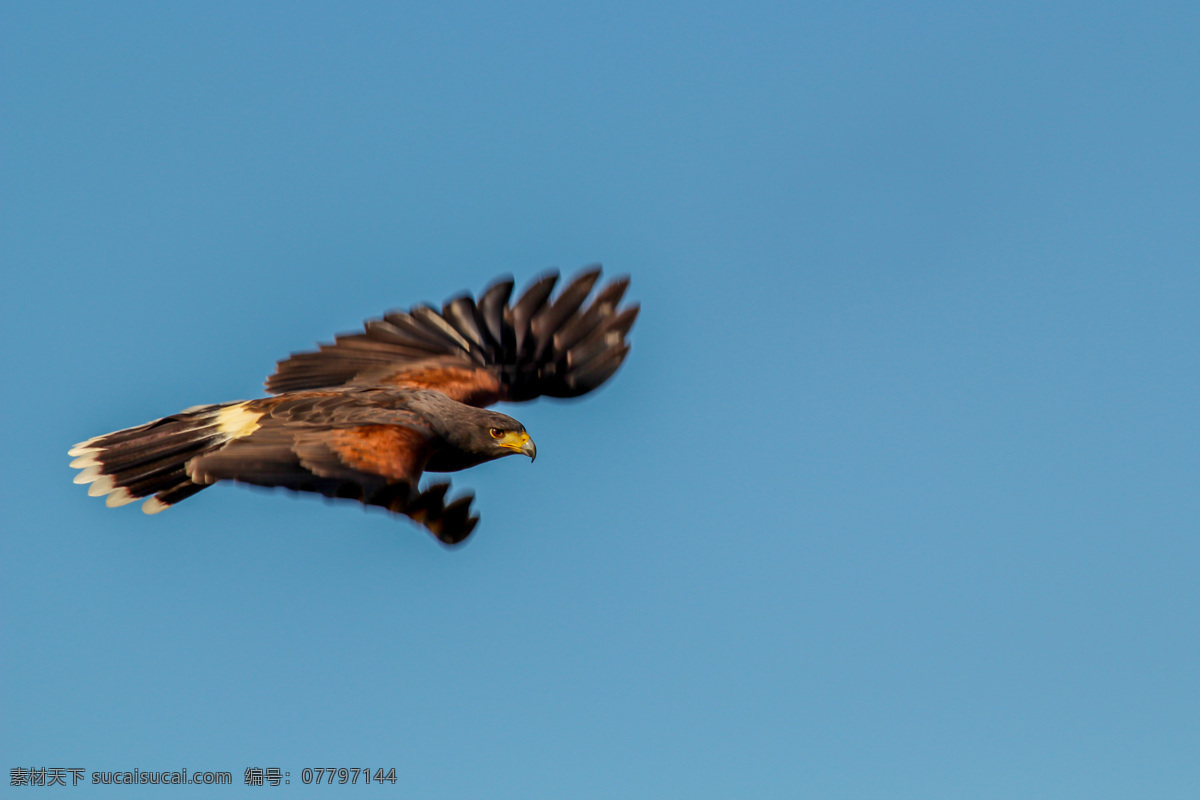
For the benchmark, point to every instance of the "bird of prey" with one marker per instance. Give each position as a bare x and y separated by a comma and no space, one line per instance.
364,417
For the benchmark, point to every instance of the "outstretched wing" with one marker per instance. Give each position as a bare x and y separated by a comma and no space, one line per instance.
481,352
339,447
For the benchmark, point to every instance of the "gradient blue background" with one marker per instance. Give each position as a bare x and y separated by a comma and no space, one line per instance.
896,496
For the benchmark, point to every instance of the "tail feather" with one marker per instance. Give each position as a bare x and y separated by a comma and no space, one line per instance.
169,497
151,461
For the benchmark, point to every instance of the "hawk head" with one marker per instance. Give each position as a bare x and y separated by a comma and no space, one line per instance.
470,435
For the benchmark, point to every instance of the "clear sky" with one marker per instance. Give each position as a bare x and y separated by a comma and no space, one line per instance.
895,497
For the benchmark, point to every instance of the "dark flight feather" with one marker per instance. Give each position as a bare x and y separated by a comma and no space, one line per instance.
537,346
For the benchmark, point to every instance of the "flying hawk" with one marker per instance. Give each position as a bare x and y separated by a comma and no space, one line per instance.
364,417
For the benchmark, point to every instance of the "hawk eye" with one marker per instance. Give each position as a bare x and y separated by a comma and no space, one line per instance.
496,433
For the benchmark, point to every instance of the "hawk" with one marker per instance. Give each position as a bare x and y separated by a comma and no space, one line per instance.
363,418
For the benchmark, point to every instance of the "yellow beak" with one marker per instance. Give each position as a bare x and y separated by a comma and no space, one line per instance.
519,443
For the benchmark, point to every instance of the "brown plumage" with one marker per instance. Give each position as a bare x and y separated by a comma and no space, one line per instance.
363,418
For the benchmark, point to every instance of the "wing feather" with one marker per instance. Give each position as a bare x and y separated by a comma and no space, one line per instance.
485,351
530,303
552,317
491,308
463,316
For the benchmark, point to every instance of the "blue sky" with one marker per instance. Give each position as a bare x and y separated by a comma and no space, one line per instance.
895,496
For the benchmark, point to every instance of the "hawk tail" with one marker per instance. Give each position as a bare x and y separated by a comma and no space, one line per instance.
151,461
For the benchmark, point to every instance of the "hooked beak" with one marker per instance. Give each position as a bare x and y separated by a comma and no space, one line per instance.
520,443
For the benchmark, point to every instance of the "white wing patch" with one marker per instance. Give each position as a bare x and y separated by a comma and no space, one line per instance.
237,421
